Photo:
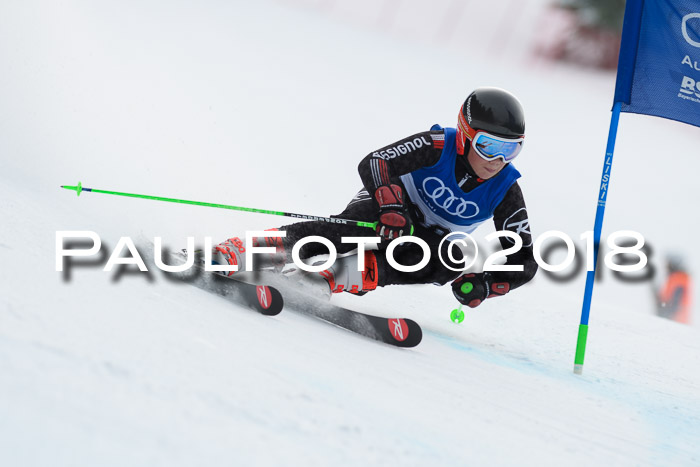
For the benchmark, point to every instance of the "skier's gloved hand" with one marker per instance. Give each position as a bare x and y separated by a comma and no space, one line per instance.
393,220
472,289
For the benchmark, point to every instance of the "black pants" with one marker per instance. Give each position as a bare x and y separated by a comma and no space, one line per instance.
364,208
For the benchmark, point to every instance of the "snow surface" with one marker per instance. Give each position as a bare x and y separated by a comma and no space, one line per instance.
272,105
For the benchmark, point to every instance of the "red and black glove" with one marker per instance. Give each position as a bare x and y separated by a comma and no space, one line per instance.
472,289
393,219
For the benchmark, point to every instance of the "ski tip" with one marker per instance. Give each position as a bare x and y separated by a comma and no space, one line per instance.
405,332
270,300
416,335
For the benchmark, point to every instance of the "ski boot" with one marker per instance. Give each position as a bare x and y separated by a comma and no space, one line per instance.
232,252
343,276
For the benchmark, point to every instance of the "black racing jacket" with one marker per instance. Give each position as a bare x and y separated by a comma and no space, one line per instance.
402,158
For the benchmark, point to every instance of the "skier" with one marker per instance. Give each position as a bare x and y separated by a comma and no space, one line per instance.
673,300
427,185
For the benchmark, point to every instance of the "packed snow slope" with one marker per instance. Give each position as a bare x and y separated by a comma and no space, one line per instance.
266,105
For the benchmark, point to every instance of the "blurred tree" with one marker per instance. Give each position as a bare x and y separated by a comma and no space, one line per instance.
604,14
585,32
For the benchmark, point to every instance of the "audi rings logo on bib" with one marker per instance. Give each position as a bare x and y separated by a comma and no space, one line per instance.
444,198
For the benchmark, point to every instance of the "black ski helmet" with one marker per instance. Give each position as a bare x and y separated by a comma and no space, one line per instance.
493,110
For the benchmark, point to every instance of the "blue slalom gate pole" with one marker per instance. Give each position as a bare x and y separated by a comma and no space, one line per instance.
598,227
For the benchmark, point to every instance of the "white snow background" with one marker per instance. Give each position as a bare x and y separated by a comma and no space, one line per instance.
272,105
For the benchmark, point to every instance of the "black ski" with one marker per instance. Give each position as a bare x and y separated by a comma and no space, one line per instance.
253,288
401,332
261,298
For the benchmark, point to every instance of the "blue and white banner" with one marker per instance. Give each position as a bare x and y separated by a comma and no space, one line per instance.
659,66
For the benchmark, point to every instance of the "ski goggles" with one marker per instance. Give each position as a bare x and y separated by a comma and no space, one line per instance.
491,147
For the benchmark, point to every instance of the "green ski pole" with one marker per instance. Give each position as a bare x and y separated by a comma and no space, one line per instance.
79,188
